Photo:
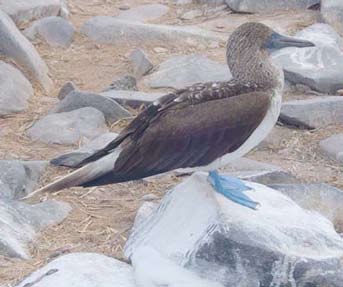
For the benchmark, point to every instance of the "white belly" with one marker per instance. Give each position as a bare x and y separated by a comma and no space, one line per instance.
255,138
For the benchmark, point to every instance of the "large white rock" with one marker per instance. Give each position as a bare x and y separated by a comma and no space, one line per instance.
318,67
22,11
15,90
13,44
280,244
82,270
19,223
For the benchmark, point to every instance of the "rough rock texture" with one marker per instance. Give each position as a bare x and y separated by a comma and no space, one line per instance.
74,158
19,223
132,99
14,45
333,147
313,113
76,100
318,67
15,90
140,62
22,11
56,31
280,244
269,5
144,13
19,178
332,13
319,197
69,127
66,89
182,71
126,82
109,30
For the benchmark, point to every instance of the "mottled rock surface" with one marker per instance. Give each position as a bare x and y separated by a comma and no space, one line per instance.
69,127
13,44
15,90
56,31
182,71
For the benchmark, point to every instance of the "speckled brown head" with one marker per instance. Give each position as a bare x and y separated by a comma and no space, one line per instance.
248,53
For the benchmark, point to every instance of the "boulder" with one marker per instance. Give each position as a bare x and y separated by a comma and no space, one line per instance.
181,71
333,147
318,67
76,100
69,127
15,90
133,99
280,244
23,11
19,178
140,62
109,30
56,31
313,113
82,270
253,6
13,44
126,82
19,223
74,158
143,13
332,13
66,89
320,197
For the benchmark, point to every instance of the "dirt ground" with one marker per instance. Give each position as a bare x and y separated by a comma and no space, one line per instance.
102,217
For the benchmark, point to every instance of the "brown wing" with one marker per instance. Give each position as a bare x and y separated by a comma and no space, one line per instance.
188,135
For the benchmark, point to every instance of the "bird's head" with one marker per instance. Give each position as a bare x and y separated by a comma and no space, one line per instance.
250,46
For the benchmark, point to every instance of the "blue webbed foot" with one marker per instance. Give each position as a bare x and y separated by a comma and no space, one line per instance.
232,188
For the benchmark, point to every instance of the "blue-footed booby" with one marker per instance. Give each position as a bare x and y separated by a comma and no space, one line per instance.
205,125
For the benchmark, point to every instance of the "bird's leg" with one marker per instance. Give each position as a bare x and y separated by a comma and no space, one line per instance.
232,188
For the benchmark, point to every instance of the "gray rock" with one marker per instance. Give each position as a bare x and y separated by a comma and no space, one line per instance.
74,158
317,67
14,45
109,30
56,31
319,197
19,178
144,13
182,2
15,90
236,246
69,127
76,100
182,71
66,89
19,223
23,11
141,63
332,13
313,113
269,5
133,99
82,270
333,147
126,82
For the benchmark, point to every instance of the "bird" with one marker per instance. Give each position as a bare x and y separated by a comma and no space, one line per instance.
203,126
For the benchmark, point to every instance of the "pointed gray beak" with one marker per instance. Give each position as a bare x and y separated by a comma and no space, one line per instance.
277,41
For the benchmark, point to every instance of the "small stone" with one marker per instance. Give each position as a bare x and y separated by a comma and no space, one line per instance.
124,7
126,82
69,127
141,63
340,92
149,197
190,15
333,147
66,89
160,50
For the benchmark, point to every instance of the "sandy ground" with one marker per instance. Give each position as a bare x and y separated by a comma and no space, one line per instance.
102,217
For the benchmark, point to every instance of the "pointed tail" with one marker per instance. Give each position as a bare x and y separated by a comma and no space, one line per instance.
82,175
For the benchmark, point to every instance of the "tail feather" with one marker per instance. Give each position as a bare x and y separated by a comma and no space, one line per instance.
82,175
